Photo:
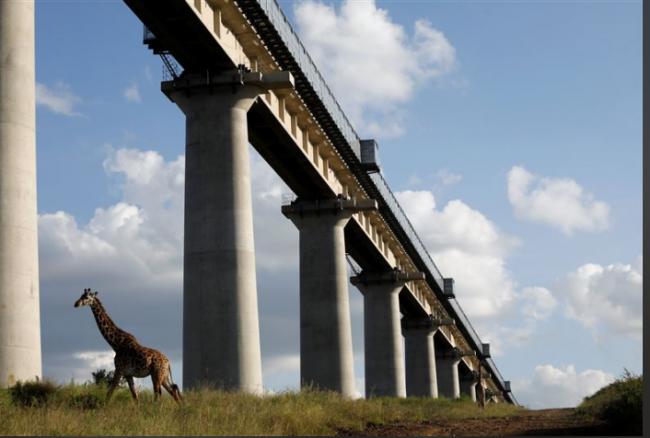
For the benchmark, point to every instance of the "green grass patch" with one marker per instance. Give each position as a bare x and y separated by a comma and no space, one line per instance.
82,410
620,404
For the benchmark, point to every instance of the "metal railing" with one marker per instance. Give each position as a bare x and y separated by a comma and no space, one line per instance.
465,320
298,51
399,214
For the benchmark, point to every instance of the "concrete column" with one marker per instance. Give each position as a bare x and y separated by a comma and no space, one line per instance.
20,328
468,386
221,341
326,357
447,373
421,376
384,355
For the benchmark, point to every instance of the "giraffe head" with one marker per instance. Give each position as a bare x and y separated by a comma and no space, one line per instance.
86,299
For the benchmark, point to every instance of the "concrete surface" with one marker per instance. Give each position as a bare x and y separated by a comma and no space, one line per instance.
20,329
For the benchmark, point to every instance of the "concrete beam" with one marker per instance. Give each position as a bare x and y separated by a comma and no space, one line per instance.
386,277
190,83
344,206
20,326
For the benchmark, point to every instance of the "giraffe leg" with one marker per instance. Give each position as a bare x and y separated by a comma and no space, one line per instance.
129,380
117,376
157,391
172,391
177,391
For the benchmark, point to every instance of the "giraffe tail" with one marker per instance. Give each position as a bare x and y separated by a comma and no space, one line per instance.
174,386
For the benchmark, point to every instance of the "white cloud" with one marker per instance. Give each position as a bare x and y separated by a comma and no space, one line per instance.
276,238
372,63
131,251
539,302
60,99
95,360
282,364
132,93
605,298
437,181
468,247
141,237
558,202
559,387
447,178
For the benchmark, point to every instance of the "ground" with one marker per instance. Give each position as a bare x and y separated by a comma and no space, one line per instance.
534,422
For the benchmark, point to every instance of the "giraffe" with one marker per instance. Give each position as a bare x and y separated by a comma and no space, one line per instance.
131,358
481,389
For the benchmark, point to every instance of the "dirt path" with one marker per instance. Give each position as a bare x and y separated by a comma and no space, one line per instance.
540,422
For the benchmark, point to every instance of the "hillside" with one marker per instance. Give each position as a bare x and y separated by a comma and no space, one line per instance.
47,409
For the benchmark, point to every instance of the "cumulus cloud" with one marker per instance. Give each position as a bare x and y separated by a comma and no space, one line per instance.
468,247
539,302
559,387
132,93
605,298
447,177
558,202
137,240
132,251
96,359
372,63
283,363
60,99
437,182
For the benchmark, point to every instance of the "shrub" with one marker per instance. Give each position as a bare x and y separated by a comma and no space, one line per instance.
32,393
102,377
619,404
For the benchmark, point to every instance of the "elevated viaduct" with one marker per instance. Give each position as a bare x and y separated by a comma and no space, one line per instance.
246,78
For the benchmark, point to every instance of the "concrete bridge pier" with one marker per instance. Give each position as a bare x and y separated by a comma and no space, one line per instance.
20,326
468,383
326,356
421,376
221,343
384,355
447,373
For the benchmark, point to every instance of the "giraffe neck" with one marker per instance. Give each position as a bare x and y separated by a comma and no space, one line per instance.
106,326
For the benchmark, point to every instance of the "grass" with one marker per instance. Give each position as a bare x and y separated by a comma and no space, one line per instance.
619,404
81,410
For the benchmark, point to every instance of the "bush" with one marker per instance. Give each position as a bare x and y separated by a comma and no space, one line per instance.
32,393
103,378
619,404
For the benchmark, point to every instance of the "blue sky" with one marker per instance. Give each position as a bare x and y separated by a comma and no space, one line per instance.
543,91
